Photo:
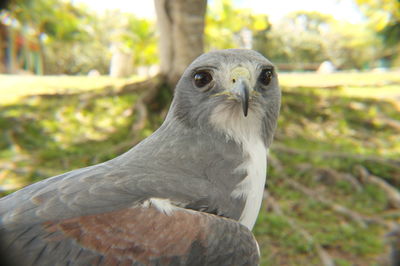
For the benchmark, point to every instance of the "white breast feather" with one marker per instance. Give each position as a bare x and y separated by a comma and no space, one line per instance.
247,131
252,186
163,205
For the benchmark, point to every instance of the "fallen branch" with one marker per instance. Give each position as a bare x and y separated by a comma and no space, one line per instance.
392,193
357,217
323,255
390,122
329,176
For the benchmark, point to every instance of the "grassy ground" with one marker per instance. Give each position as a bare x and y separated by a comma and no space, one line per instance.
338,141
13,88
332,147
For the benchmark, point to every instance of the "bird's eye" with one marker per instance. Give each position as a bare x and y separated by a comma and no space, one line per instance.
266,76
202,78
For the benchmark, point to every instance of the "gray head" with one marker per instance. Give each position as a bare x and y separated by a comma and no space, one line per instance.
234,92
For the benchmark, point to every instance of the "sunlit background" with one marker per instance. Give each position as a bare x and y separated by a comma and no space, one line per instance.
49,36
70,96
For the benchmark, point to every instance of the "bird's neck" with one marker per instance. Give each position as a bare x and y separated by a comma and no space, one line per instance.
247,132
234,125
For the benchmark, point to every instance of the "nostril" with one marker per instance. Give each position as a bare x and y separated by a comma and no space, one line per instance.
233,80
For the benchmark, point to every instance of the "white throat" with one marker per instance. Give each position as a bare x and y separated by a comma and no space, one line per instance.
247,132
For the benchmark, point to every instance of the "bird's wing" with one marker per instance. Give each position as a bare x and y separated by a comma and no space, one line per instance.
98,189
95,215
140,235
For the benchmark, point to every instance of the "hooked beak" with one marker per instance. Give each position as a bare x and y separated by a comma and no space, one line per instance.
240,78
242,90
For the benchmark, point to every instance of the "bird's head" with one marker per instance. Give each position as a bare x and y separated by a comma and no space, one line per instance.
235,91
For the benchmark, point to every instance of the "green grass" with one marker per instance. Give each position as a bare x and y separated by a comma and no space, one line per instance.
15,87
329,126
364,80
323,134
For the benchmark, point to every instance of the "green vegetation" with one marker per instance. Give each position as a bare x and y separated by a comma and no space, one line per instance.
333,130
385,19
347,45
63,37
335,133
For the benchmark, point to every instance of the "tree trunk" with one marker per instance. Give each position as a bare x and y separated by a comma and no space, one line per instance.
121,61
3,46
181,26
11,52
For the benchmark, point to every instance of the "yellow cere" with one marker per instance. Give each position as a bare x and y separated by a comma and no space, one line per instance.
240,72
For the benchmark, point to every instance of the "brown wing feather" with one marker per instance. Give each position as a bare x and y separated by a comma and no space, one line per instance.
134,236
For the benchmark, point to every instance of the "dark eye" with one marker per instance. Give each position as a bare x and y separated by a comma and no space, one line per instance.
202,78
266,76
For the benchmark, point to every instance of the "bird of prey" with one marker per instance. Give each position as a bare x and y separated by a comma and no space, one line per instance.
187,195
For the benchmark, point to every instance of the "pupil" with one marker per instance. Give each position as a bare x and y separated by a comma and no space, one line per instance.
266,76
202,78
199,77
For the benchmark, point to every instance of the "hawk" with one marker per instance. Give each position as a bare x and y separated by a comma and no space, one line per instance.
189,194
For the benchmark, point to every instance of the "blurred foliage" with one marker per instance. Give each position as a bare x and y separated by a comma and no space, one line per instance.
382,13
56,19
101,33
302,38
289,46
326,130
90,51
139,36
384,18
350,45
226,25
76,40
310,37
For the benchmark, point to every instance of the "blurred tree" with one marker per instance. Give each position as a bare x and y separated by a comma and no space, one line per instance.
141,38
41,19
311,21
230,27
134,44
3,35
384,17
181,26
350,45
296,42
303,40
89,49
